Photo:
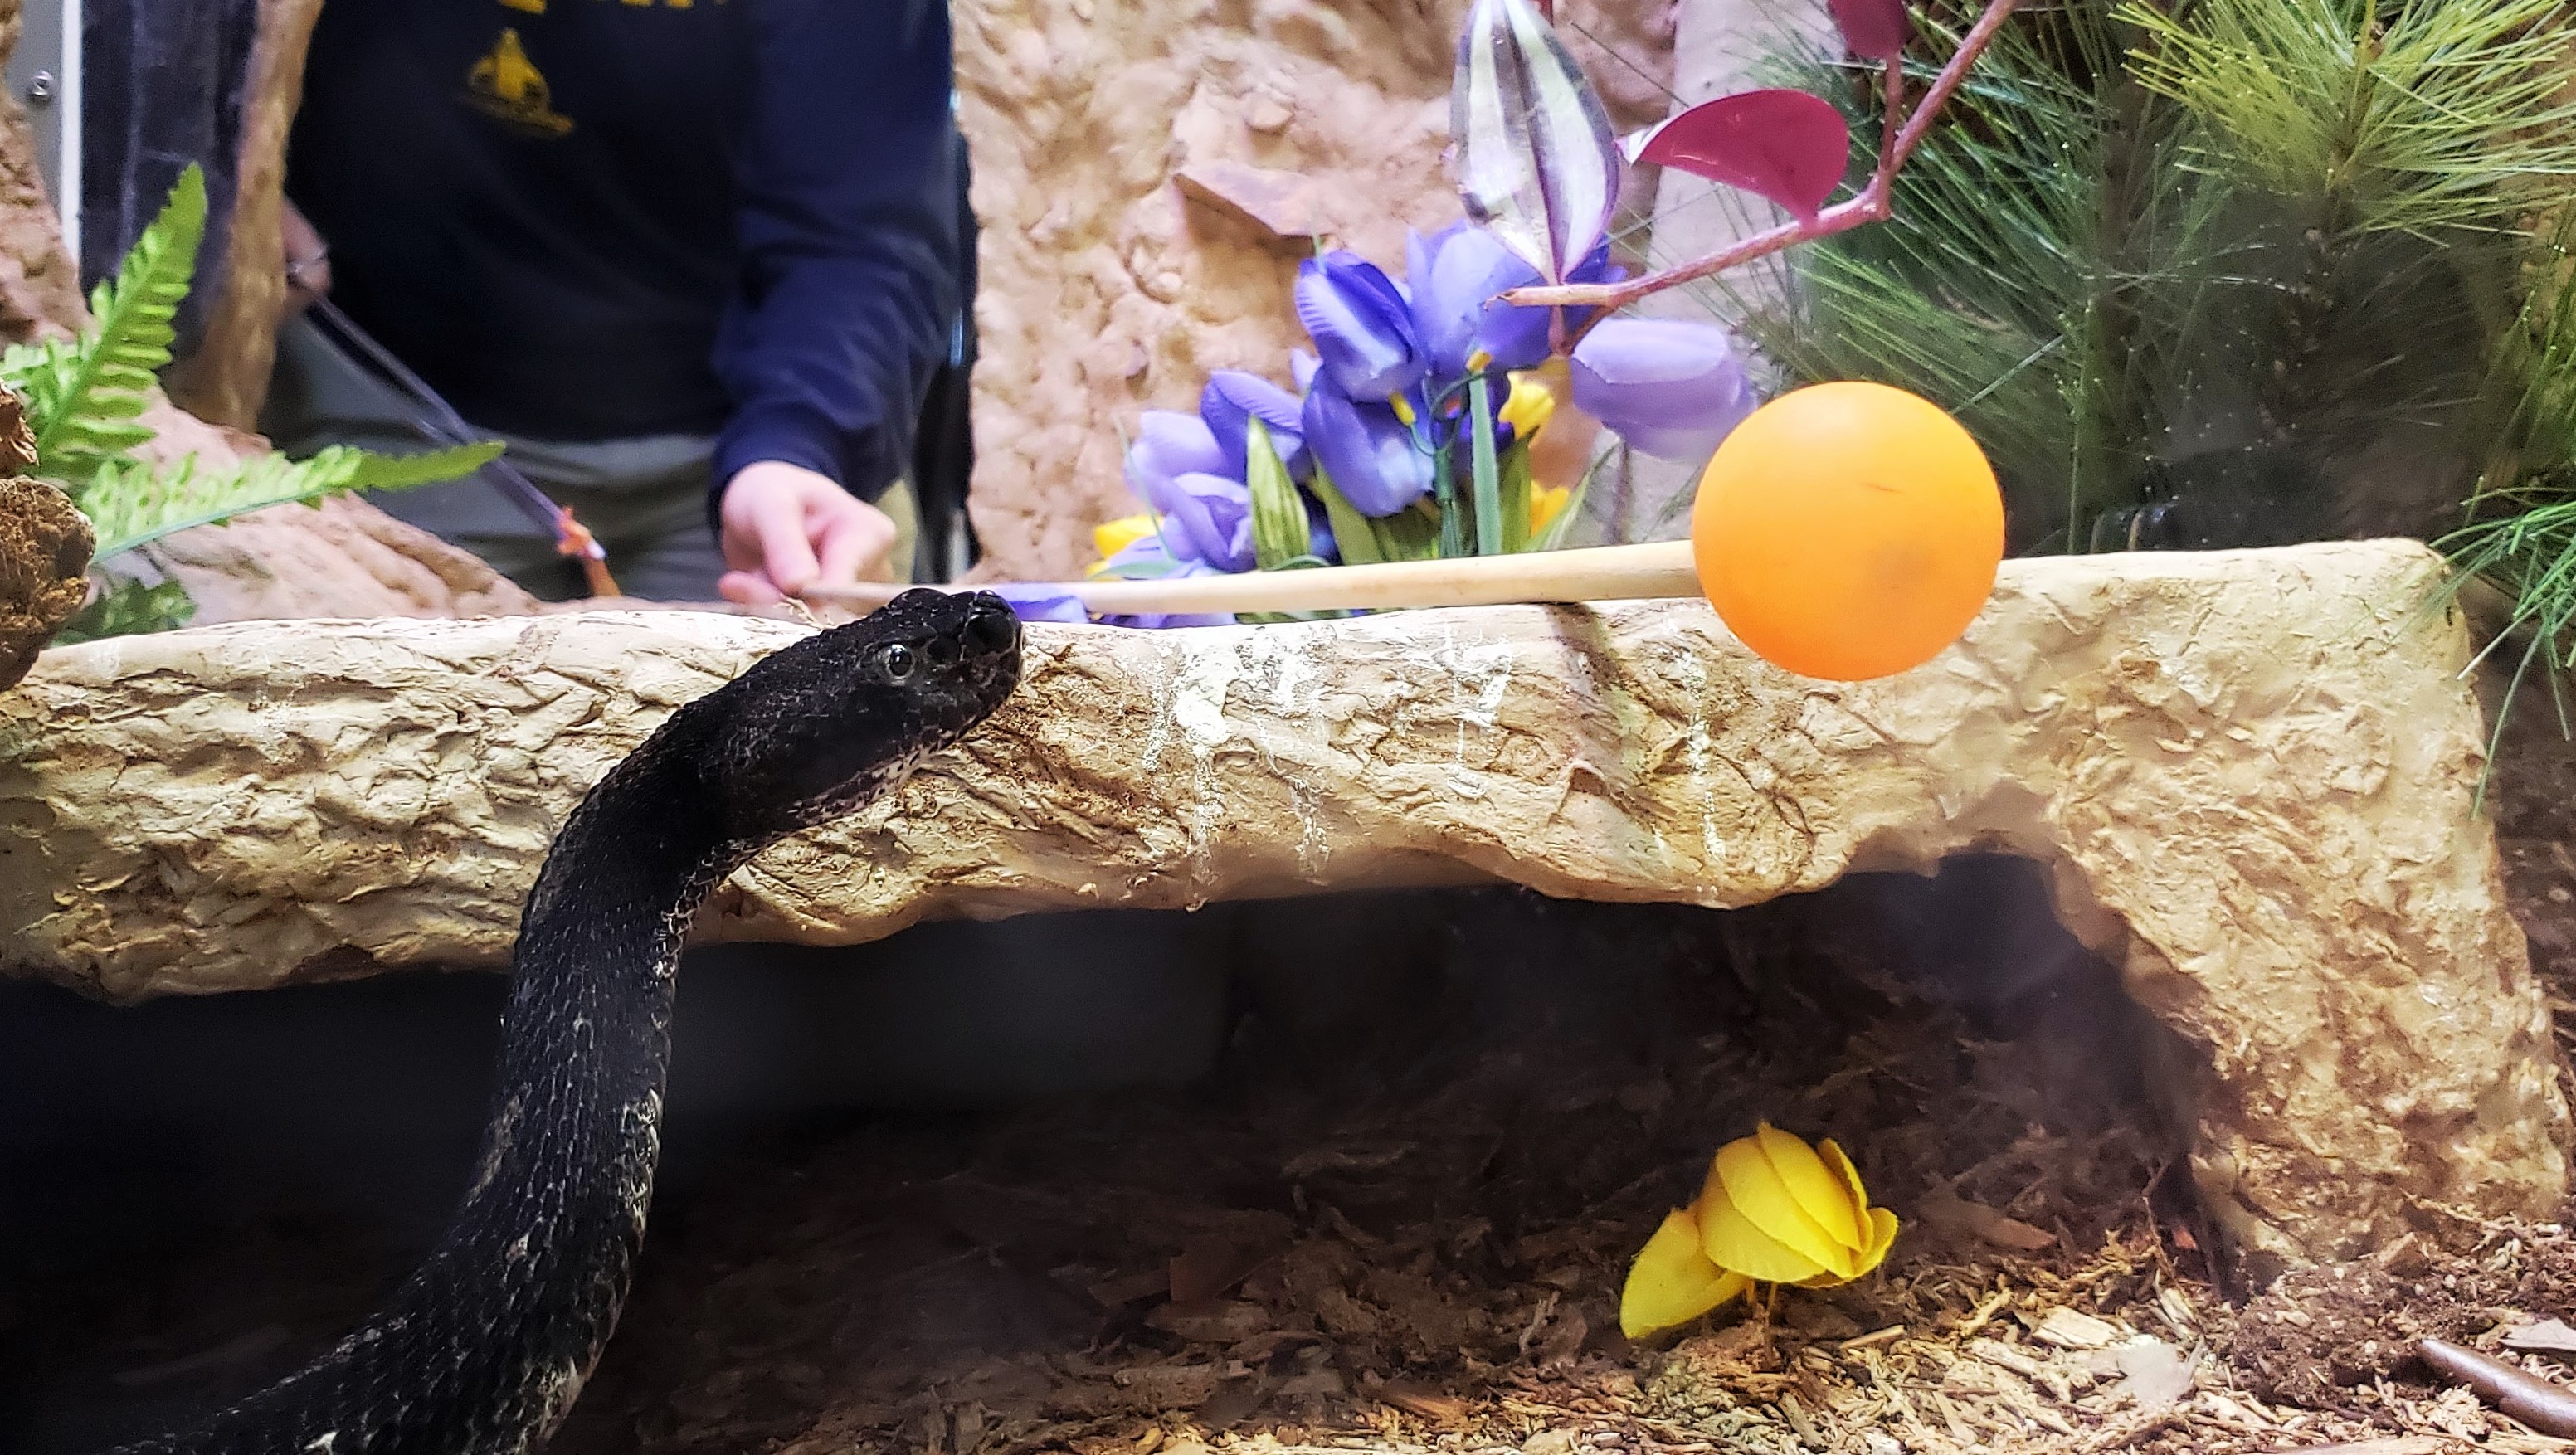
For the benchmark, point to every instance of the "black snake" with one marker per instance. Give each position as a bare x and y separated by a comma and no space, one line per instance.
482,1350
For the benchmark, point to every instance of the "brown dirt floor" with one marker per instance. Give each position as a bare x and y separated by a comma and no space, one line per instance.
1398,1221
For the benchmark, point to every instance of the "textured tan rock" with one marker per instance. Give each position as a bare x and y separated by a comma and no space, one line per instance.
2251,773
1109,287
341,558
44,549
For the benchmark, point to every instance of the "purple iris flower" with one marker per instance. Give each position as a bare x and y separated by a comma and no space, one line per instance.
1367,450
1671,388
1231,401
1031,602
1168,445
1206,518
1459,274
1302,367
1149,558
1362,325
1319,531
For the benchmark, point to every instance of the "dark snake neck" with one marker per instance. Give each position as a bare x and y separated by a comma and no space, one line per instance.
461,1363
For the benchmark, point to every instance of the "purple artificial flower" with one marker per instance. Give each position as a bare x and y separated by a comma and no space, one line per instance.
1231,401
1319,531
1206,518
1361,325
1671,388
1459,276
1457,273
1032,602
1168,445
1147,558
1369,453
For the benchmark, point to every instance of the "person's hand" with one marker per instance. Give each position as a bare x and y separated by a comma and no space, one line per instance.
785,528
308,262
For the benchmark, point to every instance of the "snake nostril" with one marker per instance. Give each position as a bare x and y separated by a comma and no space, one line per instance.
991,627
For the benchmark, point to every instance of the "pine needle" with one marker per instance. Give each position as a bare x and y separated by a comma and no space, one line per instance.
2423,116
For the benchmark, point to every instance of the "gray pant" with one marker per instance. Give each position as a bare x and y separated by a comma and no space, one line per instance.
645,499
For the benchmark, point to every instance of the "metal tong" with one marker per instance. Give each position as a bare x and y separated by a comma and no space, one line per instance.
438,420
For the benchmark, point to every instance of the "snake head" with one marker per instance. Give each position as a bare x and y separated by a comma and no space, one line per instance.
823,726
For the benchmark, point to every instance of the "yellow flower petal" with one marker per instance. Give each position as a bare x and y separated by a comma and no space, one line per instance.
1529,405
1832,1152
1821,1192
1731,1241
1762,1199
1111,537
1672,1282
1547,502
1882,1237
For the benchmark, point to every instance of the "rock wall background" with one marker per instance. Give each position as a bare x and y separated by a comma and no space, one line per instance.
1148,174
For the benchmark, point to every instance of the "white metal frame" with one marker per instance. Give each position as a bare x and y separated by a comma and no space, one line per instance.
44,74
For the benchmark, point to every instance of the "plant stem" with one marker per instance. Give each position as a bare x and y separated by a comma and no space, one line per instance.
1453,534
1874,204
1489,477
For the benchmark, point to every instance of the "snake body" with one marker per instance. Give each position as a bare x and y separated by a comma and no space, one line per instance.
483,1349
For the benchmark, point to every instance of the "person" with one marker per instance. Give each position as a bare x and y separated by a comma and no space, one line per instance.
695,262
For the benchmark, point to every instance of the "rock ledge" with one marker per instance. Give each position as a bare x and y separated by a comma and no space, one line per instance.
2251,773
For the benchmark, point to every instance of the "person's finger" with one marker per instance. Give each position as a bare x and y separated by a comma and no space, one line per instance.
747,588
786,557
853,541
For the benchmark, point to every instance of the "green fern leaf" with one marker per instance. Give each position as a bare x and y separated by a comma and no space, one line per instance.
127,608
400,472
131,503
85,396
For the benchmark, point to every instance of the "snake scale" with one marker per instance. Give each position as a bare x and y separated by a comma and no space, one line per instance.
483,1349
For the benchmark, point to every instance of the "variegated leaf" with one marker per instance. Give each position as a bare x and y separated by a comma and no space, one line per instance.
1536,162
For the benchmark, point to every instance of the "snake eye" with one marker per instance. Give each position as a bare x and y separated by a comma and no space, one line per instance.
898,662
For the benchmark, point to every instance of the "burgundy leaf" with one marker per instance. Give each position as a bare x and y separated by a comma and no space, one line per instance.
1785,145
1873,28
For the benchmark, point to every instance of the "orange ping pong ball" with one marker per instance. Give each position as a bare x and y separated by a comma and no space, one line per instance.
1848,531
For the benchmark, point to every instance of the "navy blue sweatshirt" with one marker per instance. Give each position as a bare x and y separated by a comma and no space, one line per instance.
584,220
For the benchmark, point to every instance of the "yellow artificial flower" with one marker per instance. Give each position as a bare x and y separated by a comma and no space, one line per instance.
1773,1210
1117,535
1780,1211
1547,502
1672,1282
1530,404
1114,536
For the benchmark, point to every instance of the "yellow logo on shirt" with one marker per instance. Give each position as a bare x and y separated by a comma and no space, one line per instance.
507,85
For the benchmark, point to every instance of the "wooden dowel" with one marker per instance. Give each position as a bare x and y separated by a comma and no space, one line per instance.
1599,573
